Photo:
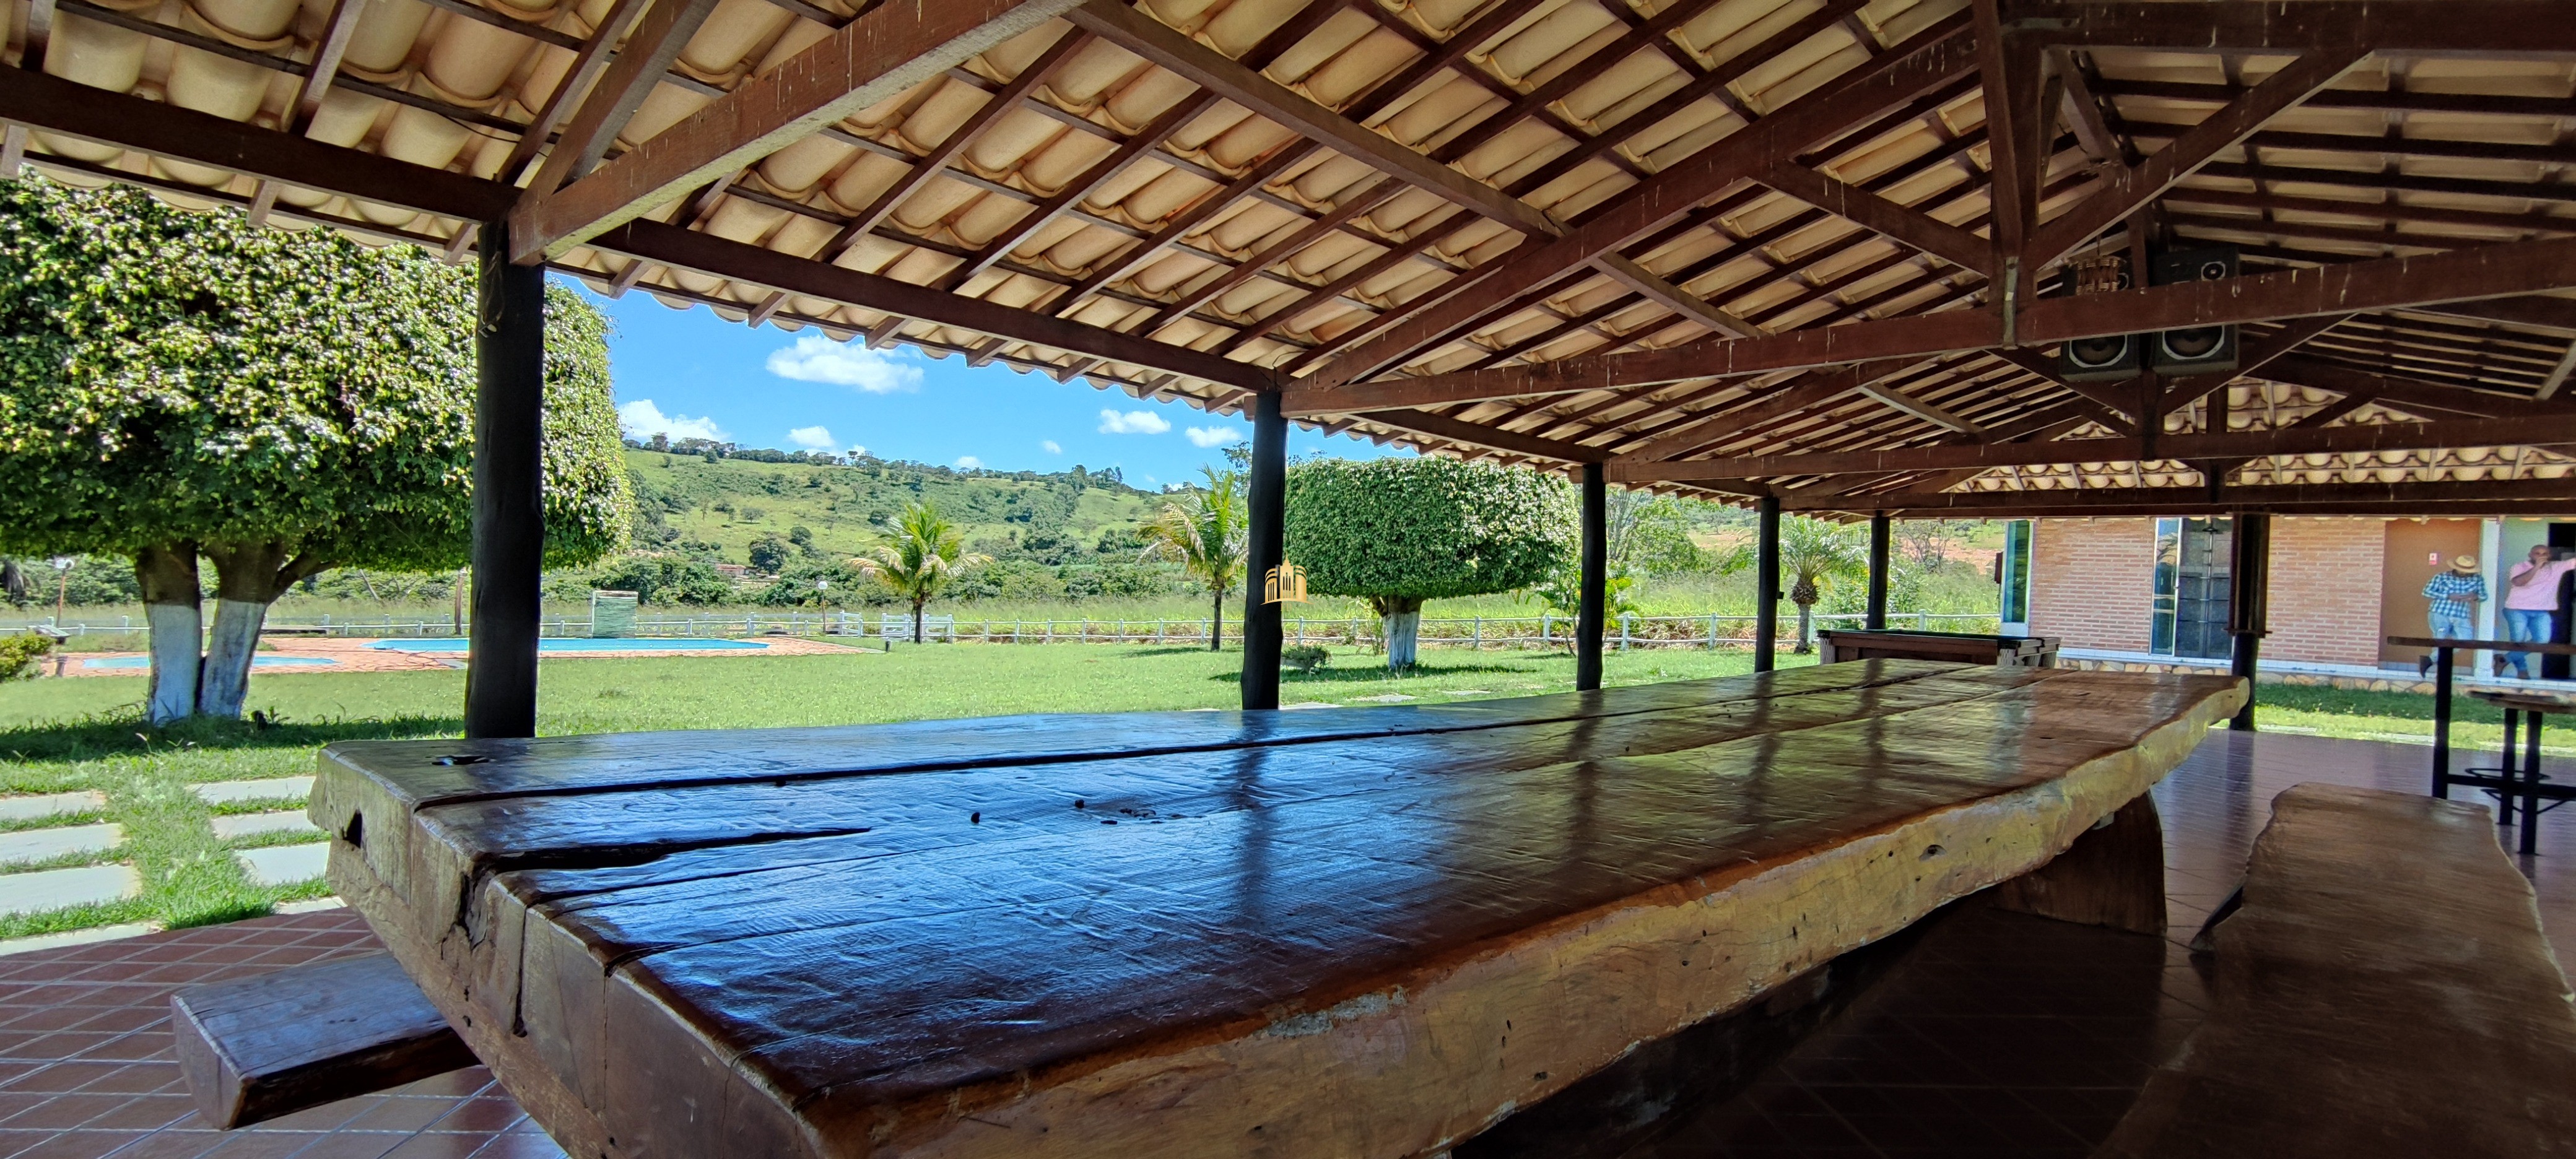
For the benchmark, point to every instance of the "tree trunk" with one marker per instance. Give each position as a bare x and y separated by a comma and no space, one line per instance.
1401,622
1216,621
916,621
168,576
1806,638
248,578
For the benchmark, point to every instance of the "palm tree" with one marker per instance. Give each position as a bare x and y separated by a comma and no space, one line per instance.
927,553
1812,550
1204,532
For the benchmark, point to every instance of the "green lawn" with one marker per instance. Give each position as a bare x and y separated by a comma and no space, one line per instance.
58,735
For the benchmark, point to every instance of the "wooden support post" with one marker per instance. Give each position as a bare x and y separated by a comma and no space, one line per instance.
2248,611
1875,618
1596,579
509,510
1268,548
2112,876
1766,582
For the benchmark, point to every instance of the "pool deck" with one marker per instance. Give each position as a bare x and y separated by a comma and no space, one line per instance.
362,654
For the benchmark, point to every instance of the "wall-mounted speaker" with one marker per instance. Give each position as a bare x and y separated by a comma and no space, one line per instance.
2196,349
2113,358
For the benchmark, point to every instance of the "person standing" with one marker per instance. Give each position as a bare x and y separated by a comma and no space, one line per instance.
2455,594
2530,599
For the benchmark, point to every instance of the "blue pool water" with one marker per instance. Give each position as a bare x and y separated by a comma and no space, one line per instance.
584,644
256,662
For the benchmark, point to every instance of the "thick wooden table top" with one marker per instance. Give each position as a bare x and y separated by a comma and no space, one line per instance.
1344,932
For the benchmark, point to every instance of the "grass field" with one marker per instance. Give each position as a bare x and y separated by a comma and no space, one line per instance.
61,735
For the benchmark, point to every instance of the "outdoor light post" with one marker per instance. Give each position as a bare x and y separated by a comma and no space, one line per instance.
62,584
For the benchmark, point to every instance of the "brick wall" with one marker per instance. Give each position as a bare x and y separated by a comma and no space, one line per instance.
2325,590
2093,582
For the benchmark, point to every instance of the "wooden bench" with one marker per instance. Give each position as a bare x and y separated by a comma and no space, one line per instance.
258,1048
1364,932
1836,645
2383,989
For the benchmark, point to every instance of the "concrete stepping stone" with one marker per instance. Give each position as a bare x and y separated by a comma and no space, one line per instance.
229,792
75,938
51,805
50,889
47,844
256,824
285,864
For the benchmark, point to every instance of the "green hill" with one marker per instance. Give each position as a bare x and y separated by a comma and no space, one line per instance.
728,503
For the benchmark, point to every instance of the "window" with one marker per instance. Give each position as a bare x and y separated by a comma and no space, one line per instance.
2016,573
2191,588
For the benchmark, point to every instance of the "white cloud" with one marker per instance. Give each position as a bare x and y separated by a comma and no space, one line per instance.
1049,445
1134,422
1214,436
811,438
816,358
969,463
644,420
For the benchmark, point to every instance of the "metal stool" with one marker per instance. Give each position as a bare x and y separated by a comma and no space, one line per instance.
2520,788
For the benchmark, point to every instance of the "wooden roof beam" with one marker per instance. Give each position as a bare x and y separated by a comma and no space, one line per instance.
2483,28
1891,80
2484,272
2133,187
1138,32
2524,431
2318,498
672,246
884,52
1877,214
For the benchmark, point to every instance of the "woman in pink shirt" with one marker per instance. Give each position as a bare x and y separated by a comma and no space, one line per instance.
2530,596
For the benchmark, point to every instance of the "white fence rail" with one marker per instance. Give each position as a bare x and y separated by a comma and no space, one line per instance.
1545,630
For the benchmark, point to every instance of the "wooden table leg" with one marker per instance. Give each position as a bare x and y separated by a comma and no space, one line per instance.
2112,876
2505,768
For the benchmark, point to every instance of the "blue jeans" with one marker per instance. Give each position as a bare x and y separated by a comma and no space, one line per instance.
2525,626
2451,627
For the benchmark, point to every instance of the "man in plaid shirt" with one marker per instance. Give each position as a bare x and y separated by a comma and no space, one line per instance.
2455,595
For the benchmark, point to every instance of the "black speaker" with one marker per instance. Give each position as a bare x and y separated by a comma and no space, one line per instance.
2198,349
2115,358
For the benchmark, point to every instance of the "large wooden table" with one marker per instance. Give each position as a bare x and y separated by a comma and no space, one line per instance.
1365,932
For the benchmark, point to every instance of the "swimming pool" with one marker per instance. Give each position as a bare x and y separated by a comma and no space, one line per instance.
560,644
256,662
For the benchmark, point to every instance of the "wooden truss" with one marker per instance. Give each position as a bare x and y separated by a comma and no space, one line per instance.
1815,255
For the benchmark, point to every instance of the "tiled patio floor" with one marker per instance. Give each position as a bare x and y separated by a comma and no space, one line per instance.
86,1068
2003,1035
2000,1035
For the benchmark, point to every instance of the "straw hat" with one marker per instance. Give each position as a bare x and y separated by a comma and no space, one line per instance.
2466,563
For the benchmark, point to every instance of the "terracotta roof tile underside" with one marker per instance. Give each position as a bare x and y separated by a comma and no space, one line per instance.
1313,193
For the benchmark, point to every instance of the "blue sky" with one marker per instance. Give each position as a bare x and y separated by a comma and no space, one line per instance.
692,374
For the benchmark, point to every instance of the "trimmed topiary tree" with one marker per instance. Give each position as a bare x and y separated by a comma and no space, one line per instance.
177,384
1396,532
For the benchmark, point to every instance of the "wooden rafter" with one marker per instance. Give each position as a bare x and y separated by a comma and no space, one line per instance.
882,53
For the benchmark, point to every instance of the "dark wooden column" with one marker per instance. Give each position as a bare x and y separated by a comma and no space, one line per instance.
1596,579
509,505
1268,534
2248,603
1876,613
1766,582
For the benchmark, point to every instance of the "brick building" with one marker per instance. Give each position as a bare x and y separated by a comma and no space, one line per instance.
2141,589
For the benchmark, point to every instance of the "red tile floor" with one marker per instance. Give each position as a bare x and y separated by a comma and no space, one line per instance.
86,1069
1998,1035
